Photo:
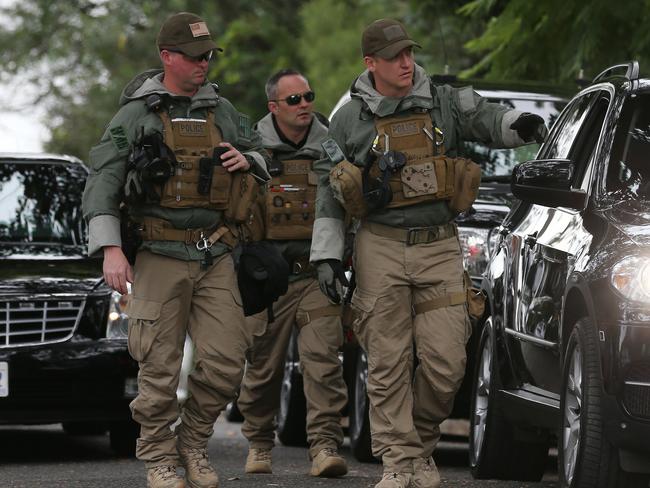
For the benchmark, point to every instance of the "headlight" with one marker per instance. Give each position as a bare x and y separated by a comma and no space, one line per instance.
474,244
118,321
631,278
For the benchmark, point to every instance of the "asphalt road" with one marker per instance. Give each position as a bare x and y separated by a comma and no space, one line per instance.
43,456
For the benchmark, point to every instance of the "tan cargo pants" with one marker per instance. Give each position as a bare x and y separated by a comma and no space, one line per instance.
170,298
325,390
405,409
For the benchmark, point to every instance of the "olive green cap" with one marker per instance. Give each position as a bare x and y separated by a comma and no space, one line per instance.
187,33
385,38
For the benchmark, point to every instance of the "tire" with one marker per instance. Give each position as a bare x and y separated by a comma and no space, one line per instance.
232,413
292,416
85,428
123,435
494,452
359,430
585,457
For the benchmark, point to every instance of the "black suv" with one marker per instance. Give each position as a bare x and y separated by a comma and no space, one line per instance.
63,353
475,233
565,342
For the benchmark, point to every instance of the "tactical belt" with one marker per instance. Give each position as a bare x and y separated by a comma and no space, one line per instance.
414,235
440,302
310,315
154,229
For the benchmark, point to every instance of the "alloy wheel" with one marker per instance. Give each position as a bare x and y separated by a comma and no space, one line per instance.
572,414
482,392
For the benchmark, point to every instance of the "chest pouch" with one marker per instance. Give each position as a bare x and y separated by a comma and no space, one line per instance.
346,182
291,200
427,173
199,180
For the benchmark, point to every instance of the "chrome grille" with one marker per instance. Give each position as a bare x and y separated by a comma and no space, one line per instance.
27,322
637,389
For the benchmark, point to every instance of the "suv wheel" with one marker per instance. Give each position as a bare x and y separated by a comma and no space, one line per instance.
494,451
585,458
123,436
292,426
359,430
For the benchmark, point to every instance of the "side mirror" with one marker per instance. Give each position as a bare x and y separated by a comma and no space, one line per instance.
548,183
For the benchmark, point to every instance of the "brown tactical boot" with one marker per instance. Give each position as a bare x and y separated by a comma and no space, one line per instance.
394,480
164,476
425,474
199,473
328,464
258,461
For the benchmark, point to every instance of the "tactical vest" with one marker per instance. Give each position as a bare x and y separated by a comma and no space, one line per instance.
191,140
290,201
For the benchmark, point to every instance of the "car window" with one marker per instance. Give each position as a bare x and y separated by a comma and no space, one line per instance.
38,203
629,165
568,127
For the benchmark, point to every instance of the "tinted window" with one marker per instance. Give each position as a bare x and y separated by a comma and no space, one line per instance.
500,162
40,202
570,126
629,165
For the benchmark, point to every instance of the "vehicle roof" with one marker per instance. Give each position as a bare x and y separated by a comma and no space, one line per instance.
18,156
523,90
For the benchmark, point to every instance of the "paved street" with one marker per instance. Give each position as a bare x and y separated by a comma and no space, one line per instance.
35,457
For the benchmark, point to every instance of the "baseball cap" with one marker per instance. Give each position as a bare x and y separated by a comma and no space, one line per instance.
385,38
187,33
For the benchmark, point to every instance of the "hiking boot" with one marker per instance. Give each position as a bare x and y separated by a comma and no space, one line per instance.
258,461
199,473
328,464
164,476
394,480
425,474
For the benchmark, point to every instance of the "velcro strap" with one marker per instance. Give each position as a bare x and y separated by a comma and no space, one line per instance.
154,229
414,235
310,315
440,302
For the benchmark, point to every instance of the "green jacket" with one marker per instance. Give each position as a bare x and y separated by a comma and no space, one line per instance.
282,151
460,113
105,185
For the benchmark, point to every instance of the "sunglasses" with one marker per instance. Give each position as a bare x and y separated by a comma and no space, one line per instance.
295,99
206,56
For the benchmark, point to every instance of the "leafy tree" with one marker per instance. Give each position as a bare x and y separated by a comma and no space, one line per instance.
554,39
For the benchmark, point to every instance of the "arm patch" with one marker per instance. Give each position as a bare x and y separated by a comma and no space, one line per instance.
118,136
466,99
244,126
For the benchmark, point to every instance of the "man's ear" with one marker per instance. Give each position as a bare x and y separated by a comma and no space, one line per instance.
272,106
370,63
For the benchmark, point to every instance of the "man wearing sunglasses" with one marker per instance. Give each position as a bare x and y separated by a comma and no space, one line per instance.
292,135
175,136
399,135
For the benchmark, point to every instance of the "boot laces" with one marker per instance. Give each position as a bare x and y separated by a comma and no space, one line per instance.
165,472
262,455
198,458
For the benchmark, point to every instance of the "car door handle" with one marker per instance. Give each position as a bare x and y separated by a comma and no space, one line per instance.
530,240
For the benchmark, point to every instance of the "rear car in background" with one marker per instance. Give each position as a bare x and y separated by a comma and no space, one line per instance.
564,345
63,351
477,236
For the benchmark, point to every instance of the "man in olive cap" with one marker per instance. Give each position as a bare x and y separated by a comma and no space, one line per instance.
399,136
171,152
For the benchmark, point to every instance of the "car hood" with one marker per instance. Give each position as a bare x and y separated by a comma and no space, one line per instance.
46,270
631,218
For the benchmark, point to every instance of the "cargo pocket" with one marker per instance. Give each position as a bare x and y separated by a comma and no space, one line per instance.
143,315
362,304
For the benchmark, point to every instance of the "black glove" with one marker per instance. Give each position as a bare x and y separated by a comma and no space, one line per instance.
329,271
530,127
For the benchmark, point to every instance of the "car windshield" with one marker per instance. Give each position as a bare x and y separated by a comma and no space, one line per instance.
628,174
40,203
497,163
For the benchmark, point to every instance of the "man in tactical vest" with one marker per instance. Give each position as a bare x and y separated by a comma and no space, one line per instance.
292,135
177,152
392,165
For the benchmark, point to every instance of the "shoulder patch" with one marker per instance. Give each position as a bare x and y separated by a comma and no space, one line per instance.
118,136
244,126
466,99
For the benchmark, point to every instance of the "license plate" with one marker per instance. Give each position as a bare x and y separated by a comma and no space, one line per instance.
4,379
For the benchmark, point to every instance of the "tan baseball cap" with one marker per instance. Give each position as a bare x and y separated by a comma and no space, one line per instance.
385,38
187,33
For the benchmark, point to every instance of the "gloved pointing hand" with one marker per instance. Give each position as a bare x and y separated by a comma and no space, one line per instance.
133,185
530,127
329,272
